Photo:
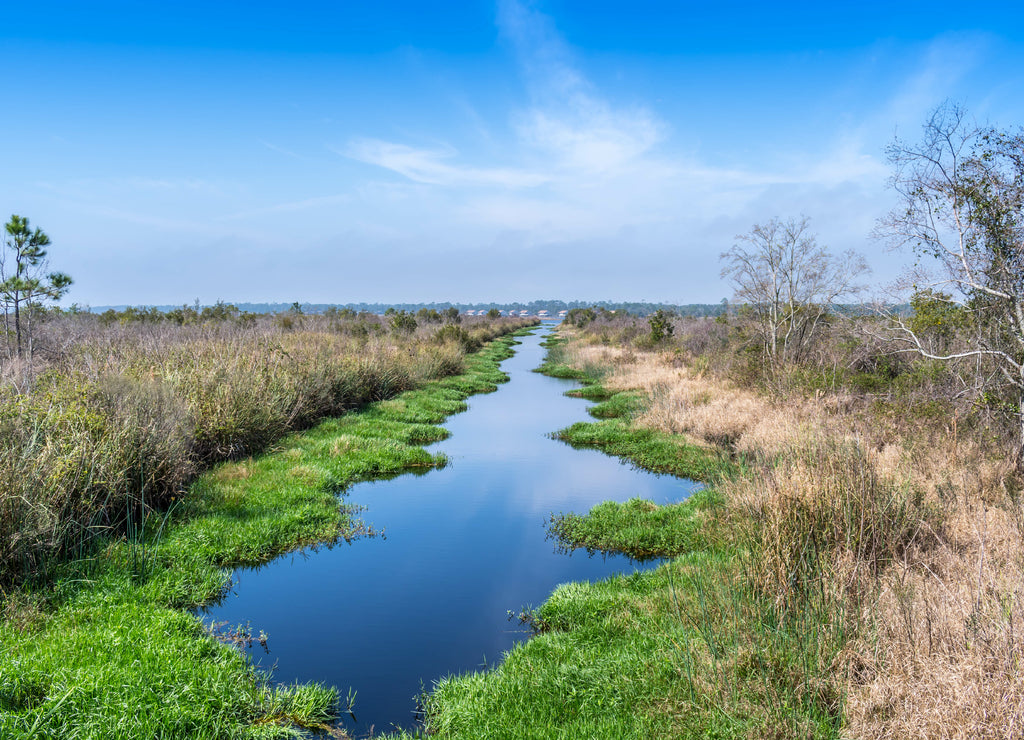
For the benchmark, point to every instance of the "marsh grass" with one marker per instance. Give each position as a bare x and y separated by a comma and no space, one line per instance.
113,420
650,450
637,528
105,649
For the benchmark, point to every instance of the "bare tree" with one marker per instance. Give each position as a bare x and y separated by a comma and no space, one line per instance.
962,191
790,282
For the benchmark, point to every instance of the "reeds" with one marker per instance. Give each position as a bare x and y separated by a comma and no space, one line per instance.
109,419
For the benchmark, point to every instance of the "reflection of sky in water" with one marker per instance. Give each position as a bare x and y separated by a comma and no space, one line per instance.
463,546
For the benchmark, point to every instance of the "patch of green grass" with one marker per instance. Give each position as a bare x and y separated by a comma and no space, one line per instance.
105,650
556,364
591,392
637,528
559,370
648,449
626,404
110,666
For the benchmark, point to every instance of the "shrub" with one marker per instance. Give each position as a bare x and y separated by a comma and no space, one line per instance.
458,335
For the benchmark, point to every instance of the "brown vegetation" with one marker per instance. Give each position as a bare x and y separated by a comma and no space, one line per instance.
880,493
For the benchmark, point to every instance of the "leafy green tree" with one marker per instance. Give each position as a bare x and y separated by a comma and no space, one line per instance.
661,325
180,316
494,314
221,311
403,321
937,319
580,317
24,281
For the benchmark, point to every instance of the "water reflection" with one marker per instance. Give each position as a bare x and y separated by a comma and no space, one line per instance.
464,545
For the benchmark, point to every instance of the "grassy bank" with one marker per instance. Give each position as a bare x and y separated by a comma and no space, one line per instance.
853,571
103,647
925,542
699,647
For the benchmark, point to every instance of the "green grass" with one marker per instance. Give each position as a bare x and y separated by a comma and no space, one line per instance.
625,404
654,451
679,652
106,650
637,528
592,392
555,363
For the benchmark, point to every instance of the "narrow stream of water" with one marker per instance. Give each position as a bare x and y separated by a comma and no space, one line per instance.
388,616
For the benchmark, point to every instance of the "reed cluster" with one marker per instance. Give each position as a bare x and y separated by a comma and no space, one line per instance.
113,416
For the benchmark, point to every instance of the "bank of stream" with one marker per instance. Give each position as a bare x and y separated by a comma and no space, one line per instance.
387,616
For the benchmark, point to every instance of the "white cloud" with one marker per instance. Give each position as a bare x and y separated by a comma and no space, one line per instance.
594,140
429,165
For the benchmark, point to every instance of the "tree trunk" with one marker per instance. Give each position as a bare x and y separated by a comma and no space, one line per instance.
1020,429
17,326
7,329
28,330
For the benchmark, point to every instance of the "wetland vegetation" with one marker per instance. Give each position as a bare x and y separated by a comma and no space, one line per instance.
849,568
120,515
852,568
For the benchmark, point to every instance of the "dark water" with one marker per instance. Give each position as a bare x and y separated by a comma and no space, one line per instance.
388,616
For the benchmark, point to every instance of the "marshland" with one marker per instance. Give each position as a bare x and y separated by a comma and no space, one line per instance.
119,513
772,488
848,566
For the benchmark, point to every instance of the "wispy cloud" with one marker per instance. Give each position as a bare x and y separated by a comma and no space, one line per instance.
430,166
569,121
567,130
592,139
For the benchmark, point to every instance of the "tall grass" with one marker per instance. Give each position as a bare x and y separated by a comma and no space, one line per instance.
110,419
877,521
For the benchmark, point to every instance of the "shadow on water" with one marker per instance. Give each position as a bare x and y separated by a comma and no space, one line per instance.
465,548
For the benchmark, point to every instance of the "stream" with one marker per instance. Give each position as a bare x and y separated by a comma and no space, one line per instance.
388,616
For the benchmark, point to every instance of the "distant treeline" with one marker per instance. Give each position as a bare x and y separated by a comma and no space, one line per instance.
533,307
220,310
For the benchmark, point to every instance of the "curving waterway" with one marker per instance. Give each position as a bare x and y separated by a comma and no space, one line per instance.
464,545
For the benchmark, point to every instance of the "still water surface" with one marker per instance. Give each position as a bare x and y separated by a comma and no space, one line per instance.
463,545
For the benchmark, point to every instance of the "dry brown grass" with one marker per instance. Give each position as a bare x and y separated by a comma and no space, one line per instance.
933,582
702,406
948,623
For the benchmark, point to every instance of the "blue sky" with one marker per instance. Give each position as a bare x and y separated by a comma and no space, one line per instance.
470,151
